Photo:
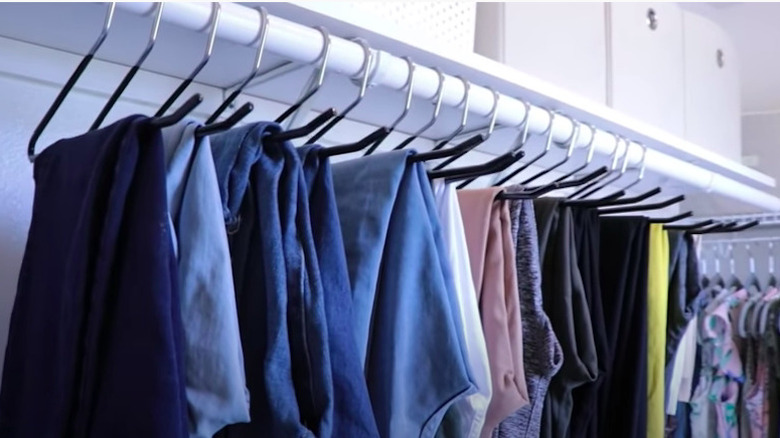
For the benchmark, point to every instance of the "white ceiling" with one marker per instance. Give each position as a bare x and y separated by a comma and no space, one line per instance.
754,29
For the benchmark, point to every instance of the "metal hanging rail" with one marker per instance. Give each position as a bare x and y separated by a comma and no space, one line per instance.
301,44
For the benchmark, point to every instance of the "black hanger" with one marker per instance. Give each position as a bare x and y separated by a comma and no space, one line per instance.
305,129
547,146
644,207
744,227
326,41
130,74
436,108
612,169
636,181
495,165
671,219
464,115
179,114
586,179
354,147
74,77
453,152
572,142
689,227
226,124
476,140
411,66
365,72
216,11
717,227
588,158
539,191
522,139
613,199
263,34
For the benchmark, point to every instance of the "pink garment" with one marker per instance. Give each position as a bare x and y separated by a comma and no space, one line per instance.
492,255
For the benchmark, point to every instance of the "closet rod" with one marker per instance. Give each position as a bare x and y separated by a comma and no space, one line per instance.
299,43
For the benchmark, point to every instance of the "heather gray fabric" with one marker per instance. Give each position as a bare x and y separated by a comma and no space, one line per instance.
541,351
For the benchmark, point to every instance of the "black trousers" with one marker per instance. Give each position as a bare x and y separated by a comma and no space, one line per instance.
587,234
624,262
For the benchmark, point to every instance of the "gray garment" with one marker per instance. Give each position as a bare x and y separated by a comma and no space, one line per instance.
542,354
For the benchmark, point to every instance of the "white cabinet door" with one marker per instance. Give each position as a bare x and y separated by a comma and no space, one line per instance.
712,94
645,54
561,43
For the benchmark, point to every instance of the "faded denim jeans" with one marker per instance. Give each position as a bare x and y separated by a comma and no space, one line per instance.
403,305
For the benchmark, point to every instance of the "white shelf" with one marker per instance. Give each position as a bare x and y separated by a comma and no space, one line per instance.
73,27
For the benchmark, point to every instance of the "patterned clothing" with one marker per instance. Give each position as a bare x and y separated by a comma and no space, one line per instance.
724,372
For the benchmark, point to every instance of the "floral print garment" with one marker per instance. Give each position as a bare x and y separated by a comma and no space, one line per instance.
723,366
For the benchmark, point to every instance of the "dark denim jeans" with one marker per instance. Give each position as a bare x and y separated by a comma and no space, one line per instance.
278,293
352,415
95,349
405,325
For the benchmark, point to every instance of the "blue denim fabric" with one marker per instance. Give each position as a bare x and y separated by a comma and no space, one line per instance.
279,291
414,365
260,277
312,373
234,153
352,415
216,387
95,349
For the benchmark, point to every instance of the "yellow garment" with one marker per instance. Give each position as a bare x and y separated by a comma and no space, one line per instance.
657,299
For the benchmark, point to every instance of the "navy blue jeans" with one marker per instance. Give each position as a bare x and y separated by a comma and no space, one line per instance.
95,345
353,416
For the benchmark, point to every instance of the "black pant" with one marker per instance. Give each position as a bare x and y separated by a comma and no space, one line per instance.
624,263
584,417
564,301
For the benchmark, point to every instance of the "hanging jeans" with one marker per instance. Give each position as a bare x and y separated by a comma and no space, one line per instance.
623,395
352,406
282,330
96,342
216,387
403,306
587,232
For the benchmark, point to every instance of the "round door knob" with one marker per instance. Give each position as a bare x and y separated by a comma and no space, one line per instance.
652,19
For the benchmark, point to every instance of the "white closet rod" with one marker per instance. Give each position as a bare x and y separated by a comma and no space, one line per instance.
299,43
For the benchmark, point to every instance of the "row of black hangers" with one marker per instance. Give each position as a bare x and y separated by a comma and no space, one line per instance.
586,185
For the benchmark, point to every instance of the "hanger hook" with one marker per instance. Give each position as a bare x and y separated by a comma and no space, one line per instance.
74,77
216,12
591,145
295,109
262,36
364,75
466,101
731,258
133,70
437,99
493,113
411,66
